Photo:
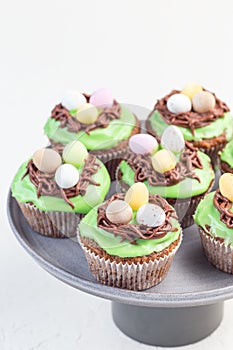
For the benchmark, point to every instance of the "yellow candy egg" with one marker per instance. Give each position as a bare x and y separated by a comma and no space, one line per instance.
191,89
87,114
203,102
163,161
226,186
119,212
137,195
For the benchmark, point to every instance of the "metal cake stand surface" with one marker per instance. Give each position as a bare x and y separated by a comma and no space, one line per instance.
186,307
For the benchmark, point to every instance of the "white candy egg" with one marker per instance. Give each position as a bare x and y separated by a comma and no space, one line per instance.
119,212
151,215
73,99
66,176
173,139
179,103
143,143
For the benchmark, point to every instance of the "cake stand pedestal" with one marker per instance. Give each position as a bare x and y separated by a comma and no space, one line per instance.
186,307
163,326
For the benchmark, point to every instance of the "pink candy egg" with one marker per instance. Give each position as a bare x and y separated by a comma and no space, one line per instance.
143,143
102,98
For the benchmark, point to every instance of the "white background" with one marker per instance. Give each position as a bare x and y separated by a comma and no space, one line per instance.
141,49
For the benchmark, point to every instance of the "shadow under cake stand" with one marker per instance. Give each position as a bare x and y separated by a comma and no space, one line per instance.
186,307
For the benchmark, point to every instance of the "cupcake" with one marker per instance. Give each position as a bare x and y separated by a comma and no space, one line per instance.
175,169
55,192
226,158
214,216
203,119
98,121
130,242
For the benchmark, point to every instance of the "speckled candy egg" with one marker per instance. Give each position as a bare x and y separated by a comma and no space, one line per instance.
119,212
226,186
150,215
163,161
73,99
75,153
191,89
46,160
173,139
137,195
66,176
143,143
179,103
87,114
203,102
102,98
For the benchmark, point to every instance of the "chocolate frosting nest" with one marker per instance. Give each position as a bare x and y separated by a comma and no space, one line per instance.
143,169
223,205
47,186
192,119
132,232
62,114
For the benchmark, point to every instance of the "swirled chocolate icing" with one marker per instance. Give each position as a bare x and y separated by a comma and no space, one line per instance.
62,114
223,205
47,186
192,119
143,169
132,232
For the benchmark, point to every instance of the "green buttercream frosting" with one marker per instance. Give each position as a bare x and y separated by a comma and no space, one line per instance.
101,138
216,128
24,191
207,214
184,189
113,245
227,154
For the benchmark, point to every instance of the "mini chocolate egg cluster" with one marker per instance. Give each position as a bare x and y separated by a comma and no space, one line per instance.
87,112
165,159
136,200
64,167
226,186
192,97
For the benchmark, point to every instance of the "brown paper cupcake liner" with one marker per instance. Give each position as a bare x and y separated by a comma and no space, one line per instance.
51,224
133,276
225,167
213,153
185,207
217,253
112,159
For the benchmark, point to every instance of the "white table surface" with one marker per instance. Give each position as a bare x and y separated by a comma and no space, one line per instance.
141,50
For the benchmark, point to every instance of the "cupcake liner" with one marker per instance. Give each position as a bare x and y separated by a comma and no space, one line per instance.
51,224
112,159
213,152
225,167
217,253
133,276
185,208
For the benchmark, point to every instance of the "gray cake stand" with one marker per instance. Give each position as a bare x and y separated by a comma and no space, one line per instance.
186,307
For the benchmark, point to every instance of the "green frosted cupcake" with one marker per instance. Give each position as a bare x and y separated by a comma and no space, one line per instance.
130,247
176,170
98,121
55,192
226,158
203,119
214,216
